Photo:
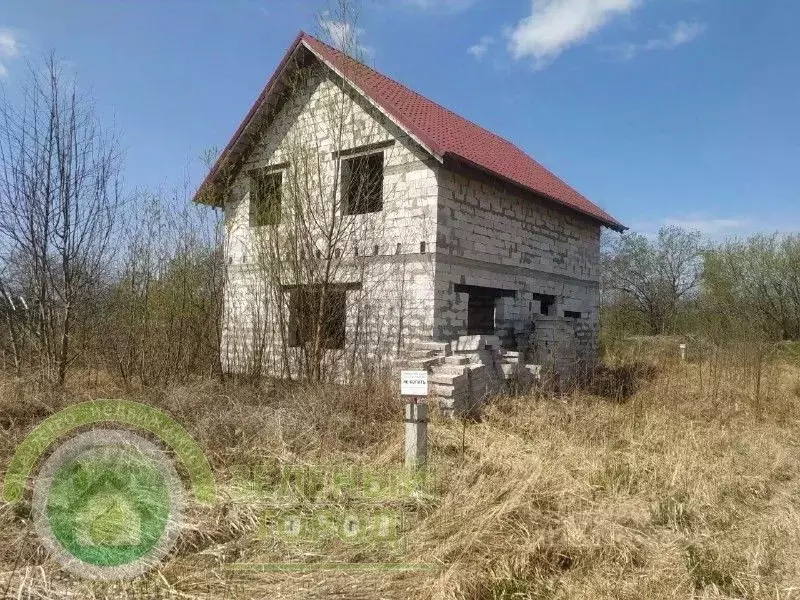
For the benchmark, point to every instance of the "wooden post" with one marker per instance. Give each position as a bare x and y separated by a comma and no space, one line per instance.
682,348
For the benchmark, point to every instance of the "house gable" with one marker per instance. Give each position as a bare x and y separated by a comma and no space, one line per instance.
439,131
299,130
301,59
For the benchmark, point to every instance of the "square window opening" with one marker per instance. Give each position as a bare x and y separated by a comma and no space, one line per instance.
362,184
304,315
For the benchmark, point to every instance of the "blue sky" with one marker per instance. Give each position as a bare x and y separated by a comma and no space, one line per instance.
660,111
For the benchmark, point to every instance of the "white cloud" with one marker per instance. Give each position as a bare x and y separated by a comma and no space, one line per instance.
343,36
440,5
710,226
10,47
555,25
9,44
679,34
480,49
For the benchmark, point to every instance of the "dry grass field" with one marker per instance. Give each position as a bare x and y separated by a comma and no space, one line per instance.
659,479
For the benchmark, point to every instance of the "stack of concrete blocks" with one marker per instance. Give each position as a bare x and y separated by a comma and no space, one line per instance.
509,320
553,344
561,345
473,369
421,356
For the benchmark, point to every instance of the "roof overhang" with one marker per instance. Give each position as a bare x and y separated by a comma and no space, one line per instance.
455,160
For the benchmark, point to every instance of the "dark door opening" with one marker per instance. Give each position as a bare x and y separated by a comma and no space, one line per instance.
481,307
480,314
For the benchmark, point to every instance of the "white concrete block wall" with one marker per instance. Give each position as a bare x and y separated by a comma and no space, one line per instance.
493,235
395,303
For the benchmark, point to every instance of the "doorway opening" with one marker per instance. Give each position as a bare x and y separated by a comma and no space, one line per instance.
482,307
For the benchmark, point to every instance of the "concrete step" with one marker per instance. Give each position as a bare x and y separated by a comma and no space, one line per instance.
457,360
420,364
476,370
438,347
442,391
468,343
416,353
450,370
445,379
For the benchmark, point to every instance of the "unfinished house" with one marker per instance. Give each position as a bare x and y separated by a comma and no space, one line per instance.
367,226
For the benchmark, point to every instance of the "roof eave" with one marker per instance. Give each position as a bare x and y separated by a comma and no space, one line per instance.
203,195
607,221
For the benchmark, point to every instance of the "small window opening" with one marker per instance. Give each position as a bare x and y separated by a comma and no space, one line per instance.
362,184
304,311
397,251
571,314
422,247
376,250
265,198
546,302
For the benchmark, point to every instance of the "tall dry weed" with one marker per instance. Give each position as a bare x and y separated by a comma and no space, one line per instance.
683,487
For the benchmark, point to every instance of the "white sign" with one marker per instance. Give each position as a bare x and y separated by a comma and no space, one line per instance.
414,383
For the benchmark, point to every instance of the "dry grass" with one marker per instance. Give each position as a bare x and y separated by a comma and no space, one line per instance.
689,488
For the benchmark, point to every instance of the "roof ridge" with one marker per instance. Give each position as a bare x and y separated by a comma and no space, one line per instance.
416,93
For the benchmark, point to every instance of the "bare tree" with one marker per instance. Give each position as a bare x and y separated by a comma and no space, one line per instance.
754,284
339,27
163,312
59,193
654,275
313,224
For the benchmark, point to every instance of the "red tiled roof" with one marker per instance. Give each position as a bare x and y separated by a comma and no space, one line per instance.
441,131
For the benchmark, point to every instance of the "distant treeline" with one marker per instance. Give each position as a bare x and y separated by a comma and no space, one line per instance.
678,282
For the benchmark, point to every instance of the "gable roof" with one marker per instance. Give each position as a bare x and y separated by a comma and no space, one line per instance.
440,131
